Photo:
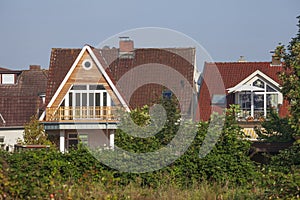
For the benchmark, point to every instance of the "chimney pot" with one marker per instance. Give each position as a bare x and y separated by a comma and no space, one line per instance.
242,59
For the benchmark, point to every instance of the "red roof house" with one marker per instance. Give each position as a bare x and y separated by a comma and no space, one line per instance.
235,74
86,85
22,95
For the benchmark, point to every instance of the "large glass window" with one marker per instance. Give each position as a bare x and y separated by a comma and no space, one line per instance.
88,101
258,103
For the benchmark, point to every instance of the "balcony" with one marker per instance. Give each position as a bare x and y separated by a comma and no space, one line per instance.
245,115
82,114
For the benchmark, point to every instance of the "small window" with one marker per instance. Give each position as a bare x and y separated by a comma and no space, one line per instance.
83,139
8,79
259,83
72,140
87,64
218,99
72,136
167,94
1,139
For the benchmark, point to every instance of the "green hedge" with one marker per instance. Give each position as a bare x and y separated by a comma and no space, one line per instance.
38,173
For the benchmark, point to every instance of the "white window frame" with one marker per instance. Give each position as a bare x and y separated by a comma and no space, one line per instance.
87,91
264,93
8,79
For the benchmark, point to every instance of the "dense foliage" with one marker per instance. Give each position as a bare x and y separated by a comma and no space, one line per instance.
226,172
275,129
291,78
34,133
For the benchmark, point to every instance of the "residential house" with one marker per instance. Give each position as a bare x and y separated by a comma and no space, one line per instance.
86,86
22,95
255,86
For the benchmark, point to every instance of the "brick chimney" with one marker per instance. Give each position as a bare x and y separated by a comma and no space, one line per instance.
275,60
125,44
34,67
126,48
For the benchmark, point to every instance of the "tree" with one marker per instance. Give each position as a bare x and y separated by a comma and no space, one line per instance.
291,78
34,133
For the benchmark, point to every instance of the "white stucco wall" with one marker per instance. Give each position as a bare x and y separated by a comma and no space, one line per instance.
11,136
97,138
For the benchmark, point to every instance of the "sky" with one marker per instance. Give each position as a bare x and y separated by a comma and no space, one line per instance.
225,29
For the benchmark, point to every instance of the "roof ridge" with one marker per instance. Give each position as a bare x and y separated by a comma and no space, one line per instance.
237,62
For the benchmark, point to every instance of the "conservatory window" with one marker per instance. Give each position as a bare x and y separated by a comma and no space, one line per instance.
258,103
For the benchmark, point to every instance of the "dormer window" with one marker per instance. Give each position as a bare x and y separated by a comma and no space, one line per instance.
8,79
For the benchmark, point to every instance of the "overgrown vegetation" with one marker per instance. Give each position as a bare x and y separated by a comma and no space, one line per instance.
291,78
34,133
225,173
275,129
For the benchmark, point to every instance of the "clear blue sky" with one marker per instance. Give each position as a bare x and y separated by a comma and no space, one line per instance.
226,29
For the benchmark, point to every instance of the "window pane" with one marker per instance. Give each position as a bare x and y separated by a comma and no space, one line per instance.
218,99
91,99
96,87
77,102
92,87
104,98
245,101
72,136
270,89
78,87
70,98
84,99
272,101
8,79
97,99
259,83
258,101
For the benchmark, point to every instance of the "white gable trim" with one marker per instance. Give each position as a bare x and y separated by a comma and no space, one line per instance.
100,67
251,76
67,77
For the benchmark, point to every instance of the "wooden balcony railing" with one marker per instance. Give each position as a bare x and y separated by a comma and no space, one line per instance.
82,113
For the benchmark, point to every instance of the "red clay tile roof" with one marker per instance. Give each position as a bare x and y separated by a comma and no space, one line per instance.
232,73
180,59
61,61
20,101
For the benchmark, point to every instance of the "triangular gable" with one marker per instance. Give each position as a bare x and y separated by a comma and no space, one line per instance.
251,76
62,89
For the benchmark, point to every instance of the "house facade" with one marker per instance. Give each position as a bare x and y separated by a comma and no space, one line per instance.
254,86
86,88
22,95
